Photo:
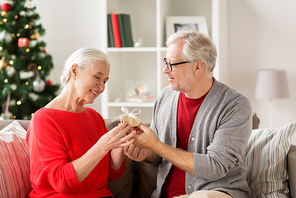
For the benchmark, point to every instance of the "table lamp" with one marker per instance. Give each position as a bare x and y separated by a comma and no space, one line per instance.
271,84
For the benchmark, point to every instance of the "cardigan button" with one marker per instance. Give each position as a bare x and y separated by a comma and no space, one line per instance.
189,187
192,139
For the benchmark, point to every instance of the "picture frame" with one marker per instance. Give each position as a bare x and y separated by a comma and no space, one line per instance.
176,23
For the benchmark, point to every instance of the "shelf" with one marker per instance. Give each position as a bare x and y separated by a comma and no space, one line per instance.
131,104
144,64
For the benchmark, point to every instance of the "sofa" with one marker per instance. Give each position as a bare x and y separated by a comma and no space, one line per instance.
19,185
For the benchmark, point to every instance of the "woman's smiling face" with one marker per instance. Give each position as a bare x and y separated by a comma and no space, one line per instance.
90,82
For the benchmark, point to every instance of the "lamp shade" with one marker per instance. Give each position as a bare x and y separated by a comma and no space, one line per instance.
271,84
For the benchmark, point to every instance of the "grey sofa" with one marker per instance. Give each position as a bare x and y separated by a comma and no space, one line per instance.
291,154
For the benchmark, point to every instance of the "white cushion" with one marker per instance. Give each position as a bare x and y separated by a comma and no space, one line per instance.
266,157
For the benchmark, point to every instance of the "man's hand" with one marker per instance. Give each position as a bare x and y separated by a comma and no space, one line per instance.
135,153
146,139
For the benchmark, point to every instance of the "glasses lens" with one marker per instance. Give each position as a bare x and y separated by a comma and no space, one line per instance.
167,64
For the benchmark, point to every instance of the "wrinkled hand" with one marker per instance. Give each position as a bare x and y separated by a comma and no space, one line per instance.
135,153
119,137
146,139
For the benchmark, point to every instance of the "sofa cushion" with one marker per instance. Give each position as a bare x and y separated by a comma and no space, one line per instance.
266,157
15,162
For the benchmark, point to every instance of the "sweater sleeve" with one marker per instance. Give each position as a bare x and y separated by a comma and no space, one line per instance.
116,174
50,164
228,139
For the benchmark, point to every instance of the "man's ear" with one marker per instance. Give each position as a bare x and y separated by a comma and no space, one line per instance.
198,66
74,71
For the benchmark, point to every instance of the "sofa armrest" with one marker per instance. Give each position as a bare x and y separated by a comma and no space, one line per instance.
24,123
292,170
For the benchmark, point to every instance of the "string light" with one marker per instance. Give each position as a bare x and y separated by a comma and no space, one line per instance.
28,50
3,13
13,117
27,26
32,114
5,20
19,102
27,83
11,62
6,80
39,67
16,16
18,34
1,48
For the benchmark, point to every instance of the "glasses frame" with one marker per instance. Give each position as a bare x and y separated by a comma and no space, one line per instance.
170,65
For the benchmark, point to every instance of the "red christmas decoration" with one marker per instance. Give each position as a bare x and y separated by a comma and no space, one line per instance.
23,42
6,7
44,51
49,82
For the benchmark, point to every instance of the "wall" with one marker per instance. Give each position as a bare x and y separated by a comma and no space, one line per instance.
69,25
262,34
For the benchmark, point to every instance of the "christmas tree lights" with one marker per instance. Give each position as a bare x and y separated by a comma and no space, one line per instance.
24,62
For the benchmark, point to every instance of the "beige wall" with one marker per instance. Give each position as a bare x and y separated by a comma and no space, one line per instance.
261,34
69,25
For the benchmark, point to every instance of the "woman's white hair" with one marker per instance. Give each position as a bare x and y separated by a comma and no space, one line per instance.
197,46
83,58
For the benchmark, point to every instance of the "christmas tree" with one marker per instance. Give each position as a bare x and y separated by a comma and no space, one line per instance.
24,62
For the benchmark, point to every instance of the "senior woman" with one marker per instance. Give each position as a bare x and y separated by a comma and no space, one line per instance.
72,153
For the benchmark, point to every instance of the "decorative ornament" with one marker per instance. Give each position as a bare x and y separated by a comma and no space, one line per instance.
5,36
35,36
32,66
3,63
33,96
38,84
49,82
44,51
33,42
10,71
23,42
22,13
26,75
6,7
12,87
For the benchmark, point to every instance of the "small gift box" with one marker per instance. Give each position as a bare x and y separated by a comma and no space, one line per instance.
23,42
129,117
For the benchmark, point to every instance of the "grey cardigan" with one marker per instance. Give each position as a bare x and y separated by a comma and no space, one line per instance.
218,137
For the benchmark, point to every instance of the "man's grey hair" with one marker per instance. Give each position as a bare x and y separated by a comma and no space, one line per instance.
197,46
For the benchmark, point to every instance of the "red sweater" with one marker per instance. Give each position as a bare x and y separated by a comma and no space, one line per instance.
56,138
187,109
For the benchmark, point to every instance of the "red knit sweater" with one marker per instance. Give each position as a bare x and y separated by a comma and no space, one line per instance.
56,138
187,109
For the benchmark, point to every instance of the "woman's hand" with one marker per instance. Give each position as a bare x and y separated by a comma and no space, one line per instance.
119,137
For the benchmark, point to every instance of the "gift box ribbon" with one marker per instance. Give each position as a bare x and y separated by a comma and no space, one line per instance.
132,114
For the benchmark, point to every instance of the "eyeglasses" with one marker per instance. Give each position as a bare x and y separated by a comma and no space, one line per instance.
170,65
